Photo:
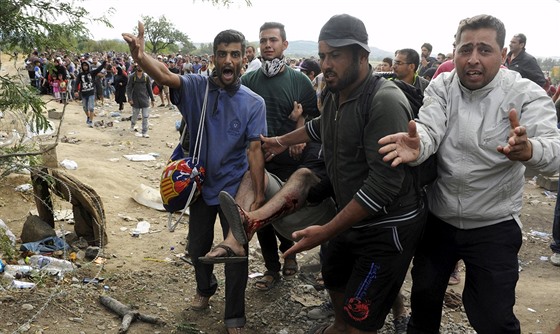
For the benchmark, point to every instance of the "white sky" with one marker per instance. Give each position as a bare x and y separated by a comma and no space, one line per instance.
391,25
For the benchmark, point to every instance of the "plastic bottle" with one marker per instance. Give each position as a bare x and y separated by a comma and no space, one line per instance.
22,285
51,264
18,271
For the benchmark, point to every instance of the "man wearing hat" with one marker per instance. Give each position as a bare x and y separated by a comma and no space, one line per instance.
380,216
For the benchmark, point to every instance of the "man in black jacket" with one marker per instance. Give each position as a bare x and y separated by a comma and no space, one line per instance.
520,61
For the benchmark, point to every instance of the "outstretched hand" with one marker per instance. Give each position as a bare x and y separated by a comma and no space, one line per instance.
519,147
136,43
402,147
308,238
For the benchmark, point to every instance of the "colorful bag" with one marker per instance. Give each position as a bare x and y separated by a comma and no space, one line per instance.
181,180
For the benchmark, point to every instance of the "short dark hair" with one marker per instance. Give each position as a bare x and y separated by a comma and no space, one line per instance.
275,25
522,39
427,46
388,60
230,36
250,47
412,57
482,21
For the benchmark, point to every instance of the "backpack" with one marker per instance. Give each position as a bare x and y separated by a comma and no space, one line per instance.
146,79
425,173
155,88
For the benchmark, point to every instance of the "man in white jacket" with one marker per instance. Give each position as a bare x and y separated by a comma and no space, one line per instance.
486,125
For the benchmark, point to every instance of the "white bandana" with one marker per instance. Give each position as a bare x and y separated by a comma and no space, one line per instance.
272,67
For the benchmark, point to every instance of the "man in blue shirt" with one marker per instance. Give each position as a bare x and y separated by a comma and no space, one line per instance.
234,120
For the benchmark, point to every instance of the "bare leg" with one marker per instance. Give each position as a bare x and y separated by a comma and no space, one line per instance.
287,200
245,197
291,197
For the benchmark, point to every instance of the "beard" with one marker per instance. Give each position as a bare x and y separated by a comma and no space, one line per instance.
346,79
234,70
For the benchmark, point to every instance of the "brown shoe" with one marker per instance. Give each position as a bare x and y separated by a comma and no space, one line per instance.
199,303
236,330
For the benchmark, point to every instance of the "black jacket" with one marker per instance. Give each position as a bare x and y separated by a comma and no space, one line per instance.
527,66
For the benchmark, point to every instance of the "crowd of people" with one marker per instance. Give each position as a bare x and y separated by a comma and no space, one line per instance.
293,155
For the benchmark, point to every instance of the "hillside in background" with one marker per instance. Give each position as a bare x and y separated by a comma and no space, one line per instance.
305,49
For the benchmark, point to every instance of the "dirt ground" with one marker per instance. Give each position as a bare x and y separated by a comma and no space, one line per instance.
148,273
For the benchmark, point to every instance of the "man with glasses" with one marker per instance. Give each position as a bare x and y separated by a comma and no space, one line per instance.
405,66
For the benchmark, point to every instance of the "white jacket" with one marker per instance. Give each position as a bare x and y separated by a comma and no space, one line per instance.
478,186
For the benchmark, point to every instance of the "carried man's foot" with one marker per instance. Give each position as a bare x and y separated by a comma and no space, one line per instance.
223,253
235,217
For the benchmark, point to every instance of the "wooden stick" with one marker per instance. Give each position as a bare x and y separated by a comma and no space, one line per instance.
128,315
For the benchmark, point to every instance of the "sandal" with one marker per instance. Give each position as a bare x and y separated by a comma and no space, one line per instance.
290,267
229,257
267,281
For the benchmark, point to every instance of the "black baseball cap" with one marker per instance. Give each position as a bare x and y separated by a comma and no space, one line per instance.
343,30
310,65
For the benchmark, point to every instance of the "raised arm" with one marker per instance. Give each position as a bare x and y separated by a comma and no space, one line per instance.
155,69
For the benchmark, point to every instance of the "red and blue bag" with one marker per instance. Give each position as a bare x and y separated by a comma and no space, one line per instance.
182,178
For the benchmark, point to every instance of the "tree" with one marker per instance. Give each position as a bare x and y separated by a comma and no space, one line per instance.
43,24
24,25
205,49
161,34
57,25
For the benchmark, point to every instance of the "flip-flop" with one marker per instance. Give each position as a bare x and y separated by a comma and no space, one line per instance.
290,267
230,257
231,211
265,285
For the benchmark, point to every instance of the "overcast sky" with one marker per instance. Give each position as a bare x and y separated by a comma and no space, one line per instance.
391,25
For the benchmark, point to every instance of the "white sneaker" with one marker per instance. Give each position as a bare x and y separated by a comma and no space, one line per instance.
555,259
145,135
138,134
322,312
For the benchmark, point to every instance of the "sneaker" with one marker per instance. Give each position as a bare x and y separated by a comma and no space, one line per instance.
400,324
138,134
132,129
555,259
145,135
161,105
322,312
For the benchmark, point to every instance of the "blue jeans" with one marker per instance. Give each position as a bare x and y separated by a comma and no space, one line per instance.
555,245
88,103
145,114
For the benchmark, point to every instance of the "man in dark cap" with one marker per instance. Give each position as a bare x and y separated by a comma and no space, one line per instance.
380,215
310,67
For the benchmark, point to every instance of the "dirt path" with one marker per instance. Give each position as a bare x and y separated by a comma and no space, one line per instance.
147,271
